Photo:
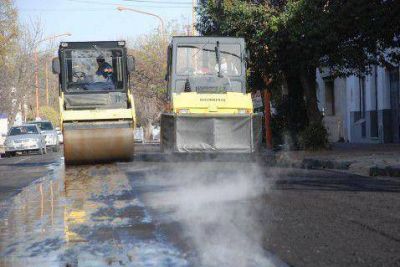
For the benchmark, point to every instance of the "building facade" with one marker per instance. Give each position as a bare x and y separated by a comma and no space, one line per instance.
362,109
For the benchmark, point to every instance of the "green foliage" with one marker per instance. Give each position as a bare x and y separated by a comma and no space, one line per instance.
238,18
148,80
8,26
49,113
314,137
290,39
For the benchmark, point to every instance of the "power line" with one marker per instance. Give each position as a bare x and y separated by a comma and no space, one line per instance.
160,2
60,10
80,9
112,4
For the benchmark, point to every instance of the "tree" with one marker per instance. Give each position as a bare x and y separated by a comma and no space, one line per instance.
291,39
346,36
148,80
8,45
150,52
8,28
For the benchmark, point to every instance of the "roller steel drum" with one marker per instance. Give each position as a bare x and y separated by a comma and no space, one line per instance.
91,143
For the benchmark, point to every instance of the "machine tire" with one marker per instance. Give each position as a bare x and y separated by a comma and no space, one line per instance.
7,154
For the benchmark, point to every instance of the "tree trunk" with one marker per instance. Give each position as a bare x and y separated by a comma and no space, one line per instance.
308,82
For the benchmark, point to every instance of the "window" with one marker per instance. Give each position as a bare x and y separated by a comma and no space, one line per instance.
29,129
94,70
395,102
329,98
201,59
362,96
43,125
361,119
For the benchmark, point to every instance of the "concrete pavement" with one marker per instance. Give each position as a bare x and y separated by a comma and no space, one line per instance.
327,218
362,159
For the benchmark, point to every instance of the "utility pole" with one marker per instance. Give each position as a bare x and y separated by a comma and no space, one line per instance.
36,82
46,72
267,112
267,116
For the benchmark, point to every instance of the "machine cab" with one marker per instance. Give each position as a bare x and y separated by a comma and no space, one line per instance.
206,65
93,75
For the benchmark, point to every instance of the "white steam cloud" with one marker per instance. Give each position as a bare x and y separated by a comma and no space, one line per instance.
216,205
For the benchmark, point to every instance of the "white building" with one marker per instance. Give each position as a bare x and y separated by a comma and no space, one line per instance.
3,130
361,109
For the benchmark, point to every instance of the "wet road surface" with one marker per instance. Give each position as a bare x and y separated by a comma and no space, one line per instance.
20,171
137,214
159,212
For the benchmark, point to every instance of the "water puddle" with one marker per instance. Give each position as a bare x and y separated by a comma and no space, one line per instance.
82,216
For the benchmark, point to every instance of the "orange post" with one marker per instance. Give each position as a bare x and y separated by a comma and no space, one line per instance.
36,83
267,116
47,82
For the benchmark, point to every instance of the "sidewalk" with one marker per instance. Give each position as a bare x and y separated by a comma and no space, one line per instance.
363,159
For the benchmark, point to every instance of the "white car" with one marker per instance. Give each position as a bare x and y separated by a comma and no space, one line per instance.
156,133
60,135
24,138
139,135
51,135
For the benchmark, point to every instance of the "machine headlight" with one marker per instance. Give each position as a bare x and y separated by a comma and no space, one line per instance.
183,111
244,111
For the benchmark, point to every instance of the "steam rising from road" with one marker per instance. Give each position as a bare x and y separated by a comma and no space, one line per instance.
216,206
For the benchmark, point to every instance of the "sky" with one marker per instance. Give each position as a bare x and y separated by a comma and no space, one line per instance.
99,20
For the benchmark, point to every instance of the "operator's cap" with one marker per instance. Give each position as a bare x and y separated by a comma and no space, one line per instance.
100,58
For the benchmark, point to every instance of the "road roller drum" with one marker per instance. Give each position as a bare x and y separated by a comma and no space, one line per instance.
87,143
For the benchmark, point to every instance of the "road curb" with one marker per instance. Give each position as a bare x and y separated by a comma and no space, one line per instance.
392,171
344,165
310,163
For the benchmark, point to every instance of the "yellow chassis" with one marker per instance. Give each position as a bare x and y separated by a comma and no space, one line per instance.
98,114
212,104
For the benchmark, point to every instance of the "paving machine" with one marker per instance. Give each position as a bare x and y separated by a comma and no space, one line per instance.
96,105
210,110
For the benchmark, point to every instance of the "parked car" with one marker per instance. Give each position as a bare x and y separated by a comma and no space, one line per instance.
139,135
156,133
60,135
2,139
51,135
24,138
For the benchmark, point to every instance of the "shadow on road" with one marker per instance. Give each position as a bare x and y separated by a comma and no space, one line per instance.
334,181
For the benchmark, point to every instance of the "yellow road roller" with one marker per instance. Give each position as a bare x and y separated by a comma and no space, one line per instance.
96,104
210,109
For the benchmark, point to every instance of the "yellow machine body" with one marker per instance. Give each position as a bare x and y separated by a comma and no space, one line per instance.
98,135
211,123
212,104
210,110
97,109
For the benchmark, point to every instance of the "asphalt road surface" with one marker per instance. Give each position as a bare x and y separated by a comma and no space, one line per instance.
163,211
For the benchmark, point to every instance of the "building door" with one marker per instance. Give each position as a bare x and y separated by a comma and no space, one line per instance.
395,103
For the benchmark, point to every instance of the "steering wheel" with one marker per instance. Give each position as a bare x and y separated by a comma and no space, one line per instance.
79,75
